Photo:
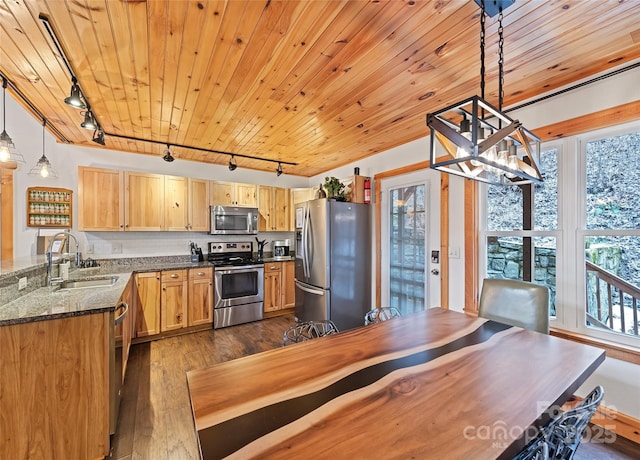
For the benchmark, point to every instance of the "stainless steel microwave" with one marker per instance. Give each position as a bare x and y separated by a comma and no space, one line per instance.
233,220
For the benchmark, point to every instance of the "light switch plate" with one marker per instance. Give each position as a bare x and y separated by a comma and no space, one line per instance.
116,248
22,283
454,253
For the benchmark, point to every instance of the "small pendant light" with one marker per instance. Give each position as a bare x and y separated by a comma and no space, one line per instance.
43,167
8,151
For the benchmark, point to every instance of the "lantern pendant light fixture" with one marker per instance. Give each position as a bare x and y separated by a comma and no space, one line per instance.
43,167
8,151
480,141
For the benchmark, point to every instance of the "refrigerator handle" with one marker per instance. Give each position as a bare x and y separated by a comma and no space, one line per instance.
305,242
305,288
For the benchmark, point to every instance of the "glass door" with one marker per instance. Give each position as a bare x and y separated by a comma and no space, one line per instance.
409,232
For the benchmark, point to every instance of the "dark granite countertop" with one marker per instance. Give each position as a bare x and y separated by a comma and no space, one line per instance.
51,302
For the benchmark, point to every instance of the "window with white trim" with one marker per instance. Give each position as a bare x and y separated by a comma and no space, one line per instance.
578,233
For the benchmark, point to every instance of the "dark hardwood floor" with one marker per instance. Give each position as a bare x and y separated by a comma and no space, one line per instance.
155,421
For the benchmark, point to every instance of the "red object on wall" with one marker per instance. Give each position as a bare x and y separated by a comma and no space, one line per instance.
367,190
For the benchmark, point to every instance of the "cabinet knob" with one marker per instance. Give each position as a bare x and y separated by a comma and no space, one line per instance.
179,317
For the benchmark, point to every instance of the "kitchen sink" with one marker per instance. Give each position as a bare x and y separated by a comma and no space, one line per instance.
89,283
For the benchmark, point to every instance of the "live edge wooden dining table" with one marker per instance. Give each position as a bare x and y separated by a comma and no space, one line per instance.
436,384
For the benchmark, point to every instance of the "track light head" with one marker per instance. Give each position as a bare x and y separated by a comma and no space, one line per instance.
75,99
98,137
232,163
279,170
167,154
89,121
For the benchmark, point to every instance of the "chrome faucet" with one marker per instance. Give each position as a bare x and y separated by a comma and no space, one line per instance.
50,255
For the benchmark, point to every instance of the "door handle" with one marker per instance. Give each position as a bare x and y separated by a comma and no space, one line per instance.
435,271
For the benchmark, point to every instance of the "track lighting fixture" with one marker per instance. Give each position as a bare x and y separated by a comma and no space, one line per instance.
279,170
43,167
98,136
167,154
75,99
8,151
232,163
89,121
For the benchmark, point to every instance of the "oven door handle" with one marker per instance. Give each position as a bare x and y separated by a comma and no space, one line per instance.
305,288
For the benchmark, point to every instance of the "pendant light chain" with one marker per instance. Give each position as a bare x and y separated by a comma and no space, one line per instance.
482,36
4,106
500,61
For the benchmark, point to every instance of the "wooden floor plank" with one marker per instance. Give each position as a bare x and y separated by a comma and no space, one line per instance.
155,414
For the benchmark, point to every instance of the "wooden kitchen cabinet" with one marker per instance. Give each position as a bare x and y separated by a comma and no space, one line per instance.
279,286
288,284
273,209
144,201
146,304
233,194
55,388
198,205
175,204
272,286
173,300
200,301
100,199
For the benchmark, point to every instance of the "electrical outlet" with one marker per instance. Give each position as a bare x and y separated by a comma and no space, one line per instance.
22,283
116,248
89,249
454,253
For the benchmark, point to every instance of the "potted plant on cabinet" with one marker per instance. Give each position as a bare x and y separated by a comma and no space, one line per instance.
334,188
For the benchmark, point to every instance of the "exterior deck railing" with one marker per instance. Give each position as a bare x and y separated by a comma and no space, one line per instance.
612,303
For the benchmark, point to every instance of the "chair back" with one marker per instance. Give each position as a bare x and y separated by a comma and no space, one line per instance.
378,315
560,438
308,330
515,302
563,434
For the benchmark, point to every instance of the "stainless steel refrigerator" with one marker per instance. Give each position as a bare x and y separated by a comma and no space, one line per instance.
333,262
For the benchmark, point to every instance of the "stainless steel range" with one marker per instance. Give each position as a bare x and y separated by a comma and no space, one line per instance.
238,283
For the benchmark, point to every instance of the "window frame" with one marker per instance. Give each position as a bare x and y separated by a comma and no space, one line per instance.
570,234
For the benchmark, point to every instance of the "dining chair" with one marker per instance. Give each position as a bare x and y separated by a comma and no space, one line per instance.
515,302
562,435
308,330
537,450
378,315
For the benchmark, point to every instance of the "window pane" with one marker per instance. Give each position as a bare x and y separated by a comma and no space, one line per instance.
504,208
613,174
546,194
504,204
613,283
407,249
505,260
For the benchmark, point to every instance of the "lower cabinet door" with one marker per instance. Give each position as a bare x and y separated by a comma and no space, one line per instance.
200,310
146,301
173,301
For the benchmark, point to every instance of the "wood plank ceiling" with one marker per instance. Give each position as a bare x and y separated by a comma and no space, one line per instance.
319,83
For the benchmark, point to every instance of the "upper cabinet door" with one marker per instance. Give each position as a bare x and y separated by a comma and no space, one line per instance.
246,195
100,199
233,194
222,193
175,202
198,199
144,201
